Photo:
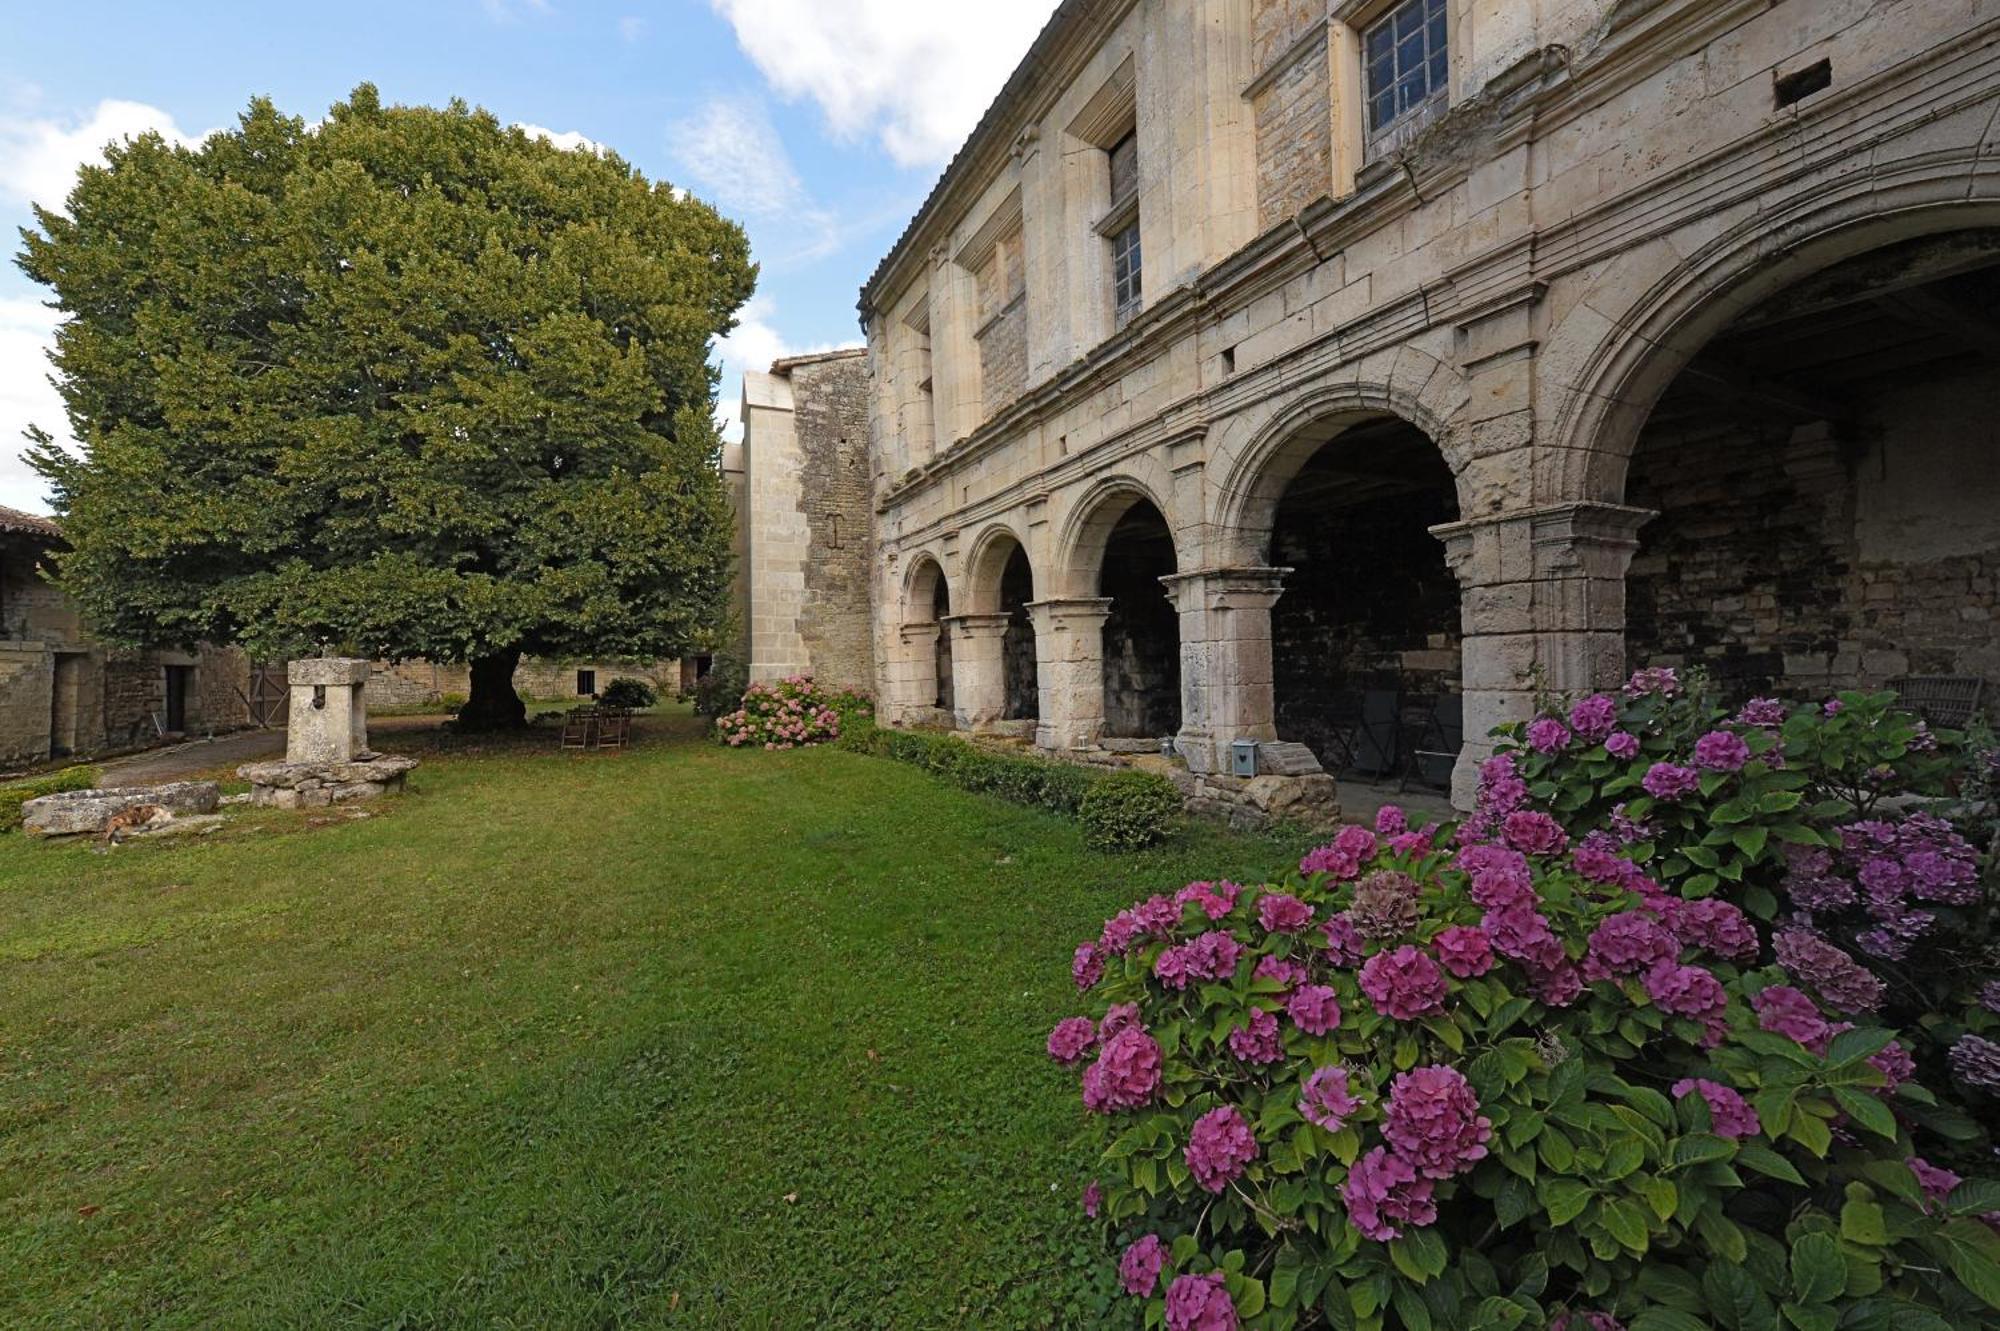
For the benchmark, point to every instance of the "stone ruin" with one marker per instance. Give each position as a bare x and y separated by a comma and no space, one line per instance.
136,809
327,758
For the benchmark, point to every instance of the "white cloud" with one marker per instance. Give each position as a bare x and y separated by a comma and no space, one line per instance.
27,332
39,157
732,150
916,74
506,11
753,346
567,140
630,29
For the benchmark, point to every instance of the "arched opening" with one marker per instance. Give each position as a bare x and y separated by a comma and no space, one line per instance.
1827,473
941,688
1365,640
1142,638
1017,646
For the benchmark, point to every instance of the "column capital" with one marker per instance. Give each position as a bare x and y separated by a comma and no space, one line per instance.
912,634
1554,541
1236,588
975,627
1084,614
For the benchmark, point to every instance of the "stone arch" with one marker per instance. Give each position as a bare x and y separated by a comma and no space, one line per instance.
921,586
1252,479
1699,294
986,567
1081,541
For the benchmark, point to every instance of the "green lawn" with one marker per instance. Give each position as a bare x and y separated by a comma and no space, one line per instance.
683,1037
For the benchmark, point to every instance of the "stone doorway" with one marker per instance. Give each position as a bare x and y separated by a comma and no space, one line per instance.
66,704
1142,642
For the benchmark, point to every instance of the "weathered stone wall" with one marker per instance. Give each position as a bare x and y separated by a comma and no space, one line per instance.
1003,355
1799,560
1293,107
830,420
418,683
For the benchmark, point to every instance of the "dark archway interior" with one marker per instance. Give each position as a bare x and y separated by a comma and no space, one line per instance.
1827,473
1142,638
940,611
1017,590
1365,640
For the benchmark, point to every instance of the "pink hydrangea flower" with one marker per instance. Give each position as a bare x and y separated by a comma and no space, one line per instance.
1117,1019
1663,680
1212,956
1670,782
1629,944
1326,1100
1586,1322
1433,1121
1622,745
1721,751
1072,1039
1257,1040
1464,951
1841,982
1286,972
1728,1112
1938,1183
1200,1303
1500,877
1215,899
1343,858
1087,967
1344,943
1283,914
1558,985
1391,821
1383,1193
1691,992
1534,833
1548,735
1314,1009
1140,1266
1784,1010
1763,713
1594,717
1716,925
1093,1199
1404,983
1524,935
1126,1074
1220,1148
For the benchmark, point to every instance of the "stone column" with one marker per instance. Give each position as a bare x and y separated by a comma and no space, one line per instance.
1542,602
910,680
978,669
1069,663
1226,674
329,716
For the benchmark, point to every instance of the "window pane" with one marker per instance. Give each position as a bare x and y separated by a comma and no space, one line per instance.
1380,39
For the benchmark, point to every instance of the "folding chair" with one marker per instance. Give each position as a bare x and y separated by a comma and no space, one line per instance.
580,728
1948,702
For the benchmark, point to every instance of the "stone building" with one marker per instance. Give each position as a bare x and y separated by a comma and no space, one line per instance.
62,694
1259,365
800,483
419,682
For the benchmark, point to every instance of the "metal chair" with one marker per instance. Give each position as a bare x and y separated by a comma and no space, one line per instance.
1434,754
1948,702
580,728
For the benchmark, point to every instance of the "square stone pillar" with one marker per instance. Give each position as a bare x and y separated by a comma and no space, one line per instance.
1226,673
1069,662
978,669
329,712
1542,600
910,681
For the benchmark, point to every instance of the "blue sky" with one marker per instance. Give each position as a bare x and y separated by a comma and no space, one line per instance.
820,124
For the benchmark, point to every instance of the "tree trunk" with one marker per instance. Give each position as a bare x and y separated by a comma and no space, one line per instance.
494,705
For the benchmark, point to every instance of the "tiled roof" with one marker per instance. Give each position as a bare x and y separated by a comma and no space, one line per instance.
13,522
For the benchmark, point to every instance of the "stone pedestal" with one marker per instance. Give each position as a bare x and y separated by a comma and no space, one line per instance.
1069,664
1542,596
978,669
327,758
1226,673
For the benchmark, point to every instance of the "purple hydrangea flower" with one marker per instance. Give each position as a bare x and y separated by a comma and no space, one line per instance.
1314,1009
1671,782
1093,1199
1938,1184
1200,1303
1717,926
1534,833
1629,944
1840,981
1086,967
1325,1099
1286,972
1384,1192
1691,992
1721,751
1220,1148
1140,1266
1391,821
1344,943
1522,934
1343,859
1763,713
1126,1074
1404,983
1282,914
1116,1019
1257,1040
1729,1113
1976,1060
1433,1121
1464,951
1663,680
1548,735
1594,717
1072,1039
1622,745
1784,1010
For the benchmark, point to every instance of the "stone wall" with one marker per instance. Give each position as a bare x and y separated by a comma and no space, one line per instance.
419,683
1801,560
1003,356
1292,106
830,422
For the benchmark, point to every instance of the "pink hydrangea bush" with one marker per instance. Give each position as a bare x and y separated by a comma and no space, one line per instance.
793,713
1503,1079
1823,819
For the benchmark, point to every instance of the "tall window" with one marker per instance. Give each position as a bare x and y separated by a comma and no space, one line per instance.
1407,60
1127,283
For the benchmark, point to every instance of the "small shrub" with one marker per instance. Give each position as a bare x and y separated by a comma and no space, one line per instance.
720,691
1018,778
792,713
13,796
1502,1082
635,695
1129,811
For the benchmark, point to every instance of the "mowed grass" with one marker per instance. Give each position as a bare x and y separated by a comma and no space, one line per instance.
683,1037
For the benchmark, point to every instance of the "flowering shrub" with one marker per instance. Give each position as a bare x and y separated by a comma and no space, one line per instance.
793,713
1503,1081
1804,815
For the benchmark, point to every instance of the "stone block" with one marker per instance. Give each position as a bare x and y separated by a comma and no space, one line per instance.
89,812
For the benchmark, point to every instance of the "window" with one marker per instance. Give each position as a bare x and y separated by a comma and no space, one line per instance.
1127,285
1407,61
586,683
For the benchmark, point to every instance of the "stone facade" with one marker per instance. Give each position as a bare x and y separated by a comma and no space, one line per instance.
64,695
1499,329
805,540
418,683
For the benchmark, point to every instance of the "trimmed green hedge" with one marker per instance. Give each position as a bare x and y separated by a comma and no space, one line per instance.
1123,811
12,797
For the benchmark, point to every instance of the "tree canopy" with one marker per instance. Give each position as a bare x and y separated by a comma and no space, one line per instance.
404,383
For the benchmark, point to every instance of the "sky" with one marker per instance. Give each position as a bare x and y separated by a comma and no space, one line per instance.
820,125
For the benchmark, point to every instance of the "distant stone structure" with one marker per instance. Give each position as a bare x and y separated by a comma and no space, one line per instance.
93,812
1342,373
64,695
327,758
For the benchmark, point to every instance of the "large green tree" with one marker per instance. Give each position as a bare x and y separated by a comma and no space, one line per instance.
404,383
